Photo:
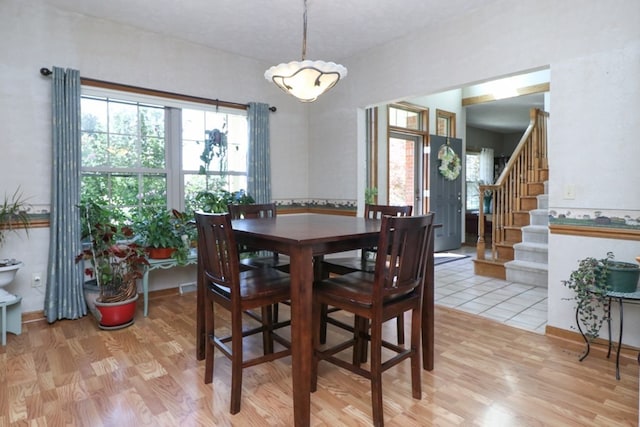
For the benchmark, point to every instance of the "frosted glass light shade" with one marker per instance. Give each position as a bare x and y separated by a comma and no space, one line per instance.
306,80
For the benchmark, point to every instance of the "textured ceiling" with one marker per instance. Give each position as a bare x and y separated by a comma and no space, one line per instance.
271,30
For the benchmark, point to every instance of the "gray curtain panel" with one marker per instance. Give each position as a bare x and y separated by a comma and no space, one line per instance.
64,298
259,156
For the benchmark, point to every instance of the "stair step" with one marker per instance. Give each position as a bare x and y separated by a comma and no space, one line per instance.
505,250
539,217
535,234
535,188
543,201
530,273
531,252
528,203
490,268
513,234
521,218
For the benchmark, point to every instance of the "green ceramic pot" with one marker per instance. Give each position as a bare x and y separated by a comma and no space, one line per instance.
623,276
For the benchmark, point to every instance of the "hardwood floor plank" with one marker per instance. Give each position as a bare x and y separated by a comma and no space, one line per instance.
486,374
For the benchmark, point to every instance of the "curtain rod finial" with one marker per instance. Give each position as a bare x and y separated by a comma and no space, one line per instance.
45,71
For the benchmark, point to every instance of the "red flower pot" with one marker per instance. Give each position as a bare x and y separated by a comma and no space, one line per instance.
116,315
160,253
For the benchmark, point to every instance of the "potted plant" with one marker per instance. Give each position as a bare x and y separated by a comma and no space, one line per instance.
592,282
161,231
115,262
217,201
13,217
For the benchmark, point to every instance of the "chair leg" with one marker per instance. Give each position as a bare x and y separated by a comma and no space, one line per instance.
400,329
267,333
360,330
317,319
416,379
236,361
376,374
324,310
210,347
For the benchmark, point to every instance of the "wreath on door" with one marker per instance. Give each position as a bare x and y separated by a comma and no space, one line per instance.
450,164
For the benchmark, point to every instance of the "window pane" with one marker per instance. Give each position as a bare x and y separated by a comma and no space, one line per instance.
401,171
94,149
151,121
404,118
122,151
123,118
94,115
153,153
473,177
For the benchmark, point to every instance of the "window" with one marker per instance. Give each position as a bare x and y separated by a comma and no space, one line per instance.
445,123
143,151
473,180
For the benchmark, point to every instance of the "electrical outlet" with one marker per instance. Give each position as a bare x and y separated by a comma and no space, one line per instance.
36,280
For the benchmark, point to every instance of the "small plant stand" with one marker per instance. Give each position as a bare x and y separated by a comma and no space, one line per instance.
621,297
10,318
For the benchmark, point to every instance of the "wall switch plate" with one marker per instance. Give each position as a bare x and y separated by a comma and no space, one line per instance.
569,192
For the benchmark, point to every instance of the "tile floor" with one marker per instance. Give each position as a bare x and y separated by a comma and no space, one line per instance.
515,304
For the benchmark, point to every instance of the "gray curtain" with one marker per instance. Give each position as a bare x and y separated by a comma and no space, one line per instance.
259,155
64,298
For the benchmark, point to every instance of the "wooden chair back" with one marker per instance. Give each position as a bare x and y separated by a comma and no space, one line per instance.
219,251
404,269
264,210
378,211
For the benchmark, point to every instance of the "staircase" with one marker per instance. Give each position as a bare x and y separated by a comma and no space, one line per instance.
530,265
520,212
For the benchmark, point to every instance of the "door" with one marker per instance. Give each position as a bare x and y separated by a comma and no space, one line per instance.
445,191
406,170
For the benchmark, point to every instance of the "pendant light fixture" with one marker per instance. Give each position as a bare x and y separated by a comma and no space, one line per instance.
306,80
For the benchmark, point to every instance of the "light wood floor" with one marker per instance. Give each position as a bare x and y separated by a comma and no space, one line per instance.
486,374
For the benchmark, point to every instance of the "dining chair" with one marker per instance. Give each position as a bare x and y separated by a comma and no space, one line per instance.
365,262
395,287
239,292
257,210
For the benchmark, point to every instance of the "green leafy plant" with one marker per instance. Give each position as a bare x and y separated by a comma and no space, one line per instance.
589,282
14,214
370,195
114,258
162,228
217,201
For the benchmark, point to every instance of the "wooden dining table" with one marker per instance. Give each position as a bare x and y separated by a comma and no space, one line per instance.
306,238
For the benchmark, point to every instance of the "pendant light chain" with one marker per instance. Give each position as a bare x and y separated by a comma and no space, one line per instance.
304,32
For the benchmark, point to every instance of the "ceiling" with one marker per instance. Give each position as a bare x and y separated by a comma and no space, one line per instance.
506,115
271,31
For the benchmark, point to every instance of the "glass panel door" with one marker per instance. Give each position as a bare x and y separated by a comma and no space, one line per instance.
406,171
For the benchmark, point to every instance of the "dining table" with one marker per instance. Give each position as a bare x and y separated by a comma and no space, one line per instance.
306,238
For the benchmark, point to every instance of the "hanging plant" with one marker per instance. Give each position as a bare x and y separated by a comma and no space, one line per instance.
215,145
450,164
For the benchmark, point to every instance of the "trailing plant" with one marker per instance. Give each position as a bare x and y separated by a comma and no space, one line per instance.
14,214
215,145
589,282
114,258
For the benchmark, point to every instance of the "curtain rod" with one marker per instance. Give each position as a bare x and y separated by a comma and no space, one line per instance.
145,91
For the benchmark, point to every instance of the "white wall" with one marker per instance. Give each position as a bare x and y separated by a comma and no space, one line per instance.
35,35
594,125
